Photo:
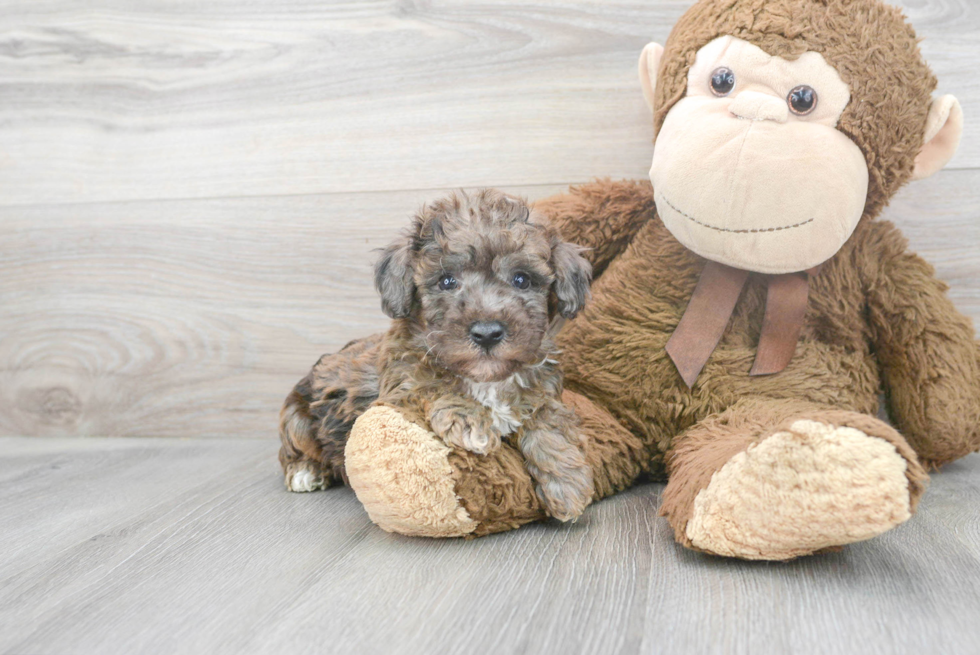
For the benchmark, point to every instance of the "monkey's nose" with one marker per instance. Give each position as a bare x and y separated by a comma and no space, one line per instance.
487,334
756,106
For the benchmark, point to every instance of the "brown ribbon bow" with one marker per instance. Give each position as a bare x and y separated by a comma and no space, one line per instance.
711,306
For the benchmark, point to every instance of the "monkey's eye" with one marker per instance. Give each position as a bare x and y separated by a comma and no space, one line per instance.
722,81
802,100
448,283
521,280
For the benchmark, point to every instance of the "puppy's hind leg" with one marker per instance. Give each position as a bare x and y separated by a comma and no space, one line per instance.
551,443
300,455
317,416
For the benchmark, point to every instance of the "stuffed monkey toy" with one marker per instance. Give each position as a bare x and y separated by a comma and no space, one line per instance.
748,306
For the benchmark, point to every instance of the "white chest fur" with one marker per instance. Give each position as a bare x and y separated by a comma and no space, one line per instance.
493,396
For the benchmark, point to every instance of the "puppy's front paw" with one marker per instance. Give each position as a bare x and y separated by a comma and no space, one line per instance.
462,430
566,494
556,462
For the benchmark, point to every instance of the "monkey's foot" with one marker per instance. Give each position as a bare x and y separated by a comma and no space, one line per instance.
412,483
401,474
798,491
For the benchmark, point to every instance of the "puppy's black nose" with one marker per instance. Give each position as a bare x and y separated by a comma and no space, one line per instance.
487,334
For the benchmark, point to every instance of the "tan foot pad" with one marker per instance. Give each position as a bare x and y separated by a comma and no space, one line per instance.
401,474
799,491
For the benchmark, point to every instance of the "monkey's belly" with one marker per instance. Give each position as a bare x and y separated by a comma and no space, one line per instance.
618,360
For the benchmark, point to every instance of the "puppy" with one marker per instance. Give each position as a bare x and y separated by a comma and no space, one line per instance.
472,288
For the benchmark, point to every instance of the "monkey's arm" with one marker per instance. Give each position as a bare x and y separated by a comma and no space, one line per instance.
602,216
929,357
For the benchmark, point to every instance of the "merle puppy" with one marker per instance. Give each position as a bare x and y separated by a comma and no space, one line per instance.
472,288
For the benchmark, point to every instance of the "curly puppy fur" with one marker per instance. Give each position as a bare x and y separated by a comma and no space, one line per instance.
472,287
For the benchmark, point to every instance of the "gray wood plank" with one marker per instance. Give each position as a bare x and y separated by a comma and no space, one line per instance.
874,597
195,318
115,100
97,484
209,554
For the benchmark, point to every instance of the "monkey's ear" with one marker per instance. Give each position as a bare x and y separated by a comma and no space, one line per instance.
649,67
944,127
393,278
573,273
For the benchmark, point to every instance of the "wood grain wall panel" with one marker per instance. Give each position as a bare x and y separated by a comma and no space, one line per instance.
117,100
182,318
194,318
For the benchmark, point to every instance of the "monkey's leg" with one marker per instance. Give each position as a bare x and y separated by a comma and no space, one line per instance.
775,480
412,483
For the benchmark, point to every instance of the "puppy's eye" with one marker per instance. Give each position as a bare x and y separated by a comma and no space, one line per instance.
521,280
448,283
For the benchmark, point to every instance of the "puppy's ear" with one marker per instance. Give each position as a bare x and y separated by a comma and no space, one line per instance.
393,278
572,277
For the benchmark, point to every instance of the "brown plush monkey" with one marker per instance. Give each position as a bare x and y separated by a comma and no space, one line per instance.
748,308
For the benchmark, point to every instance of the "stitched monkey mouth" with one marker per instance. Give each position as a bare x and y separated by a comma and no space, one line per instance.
725,229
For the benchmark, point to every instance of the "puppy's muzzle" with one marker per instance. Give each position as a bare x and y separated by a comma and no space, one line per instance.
487,334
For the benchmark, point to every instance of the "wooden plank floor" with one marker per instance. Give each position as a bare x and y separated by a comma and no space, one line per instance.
194,546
